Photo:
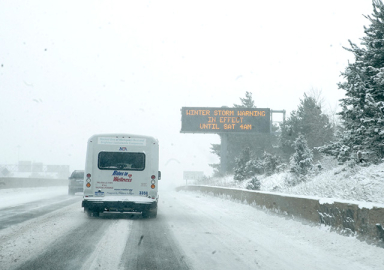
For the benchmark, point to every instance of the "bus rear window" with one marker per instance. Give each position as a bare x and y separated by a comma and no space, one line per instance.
121,161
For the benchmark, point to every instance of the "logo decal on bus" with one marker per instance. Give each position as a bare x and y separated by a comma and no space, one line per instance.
121,179
99,193
121,174
123,149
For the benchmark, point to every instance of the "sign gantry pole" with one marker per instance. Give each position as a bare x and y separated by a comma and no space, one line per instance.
223,153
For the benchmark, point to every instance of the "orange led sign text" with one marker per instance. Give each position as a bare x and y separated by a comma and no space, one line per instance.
223,120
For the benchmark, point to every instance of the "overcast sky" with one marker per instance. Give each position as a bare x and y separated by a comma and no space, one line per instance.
71,69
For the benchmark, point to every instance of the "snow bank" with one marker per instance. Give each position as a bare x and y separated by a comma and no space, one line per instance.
345,217
18,196
358,184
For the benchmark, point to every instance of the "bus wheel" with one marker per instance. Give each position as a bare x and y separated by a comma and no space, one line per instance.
91,213
149,213
153,213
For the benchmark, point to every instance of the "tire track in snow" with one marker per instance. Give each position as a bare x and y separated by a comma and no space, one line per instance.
151,245
72,250
109,251
23,241
18,214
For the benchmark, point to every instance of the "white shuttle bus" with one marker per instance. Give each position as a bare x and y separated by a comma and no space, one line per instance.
121,174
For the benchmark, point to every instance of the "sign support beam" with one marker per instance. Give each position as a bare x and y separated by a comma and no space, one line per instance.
276,111
223,153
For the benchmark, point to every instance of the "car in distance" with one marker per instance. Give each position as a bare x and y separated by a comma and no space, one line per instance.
76,182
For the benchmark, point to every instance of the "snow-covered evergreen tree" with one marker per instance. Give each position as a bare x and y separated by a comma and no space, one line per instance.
270,163
254,184
308,120
301,160
254,166
363,106
240,167
246,102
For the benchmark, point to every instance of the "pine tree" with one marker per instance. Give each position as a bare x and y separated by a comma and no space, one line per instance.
246,102
308,120
254,166
363,105
271,163
254,184
301,160
240,168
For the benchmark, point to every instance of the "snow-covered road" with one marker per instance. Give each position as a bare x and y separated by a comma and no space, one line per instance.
192,231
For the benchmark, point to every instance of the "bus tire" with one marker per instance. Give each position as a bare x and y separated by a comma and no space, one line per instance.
149,213
91,214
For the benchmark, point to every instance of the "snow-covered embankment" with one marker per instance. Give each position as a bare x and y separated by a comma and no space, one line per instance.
365,220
